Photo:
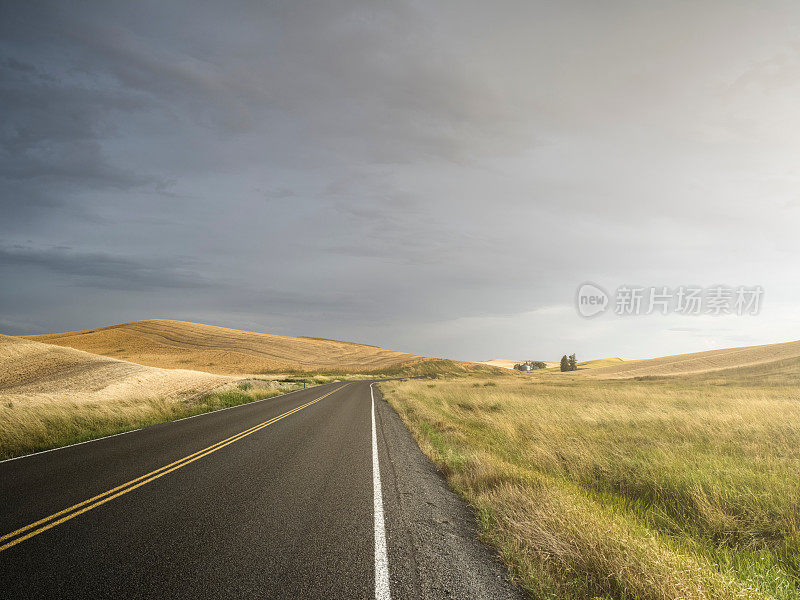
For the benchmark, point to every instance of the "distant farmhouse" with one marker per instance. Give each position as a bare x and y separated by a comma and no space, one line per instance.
530,365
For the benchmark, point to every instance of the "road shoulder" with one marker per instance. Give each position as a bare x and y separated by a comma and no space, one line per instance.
434,550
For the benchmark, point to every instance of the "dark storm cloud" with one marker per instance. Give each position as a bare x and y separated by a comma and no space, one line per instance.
103,270
432,176
51,141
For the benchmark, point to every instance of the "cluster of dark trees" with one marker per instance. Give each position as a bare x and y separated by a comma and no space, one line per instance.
531,364
569,363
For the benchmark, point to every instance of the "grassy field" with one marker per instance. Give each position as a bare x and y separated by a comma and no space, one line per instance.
26,428
656,489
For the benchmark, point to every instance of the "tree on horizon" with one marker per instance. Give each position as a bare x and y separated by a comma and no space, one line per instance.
572,362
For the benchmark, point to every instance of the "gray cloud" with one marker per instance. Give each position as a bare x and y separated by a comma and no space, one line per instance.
436,177
103,270
51,142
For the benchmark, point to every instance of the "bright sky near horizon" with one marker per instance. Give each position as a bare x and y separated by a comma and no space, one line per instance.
437,178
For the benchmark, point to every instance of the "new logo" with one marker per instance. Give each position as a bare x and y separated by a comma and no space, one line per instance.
591,300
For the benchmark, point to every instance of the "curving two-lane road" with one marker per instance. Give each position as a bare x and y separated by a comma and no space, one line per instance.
320,493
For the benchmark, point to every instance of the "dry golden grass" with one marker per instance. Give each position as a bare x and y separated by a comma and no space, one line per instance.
178,344
682,487
701,362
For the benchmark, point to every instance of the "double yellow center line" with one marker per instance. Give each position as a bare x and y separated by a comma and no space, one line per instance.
20,535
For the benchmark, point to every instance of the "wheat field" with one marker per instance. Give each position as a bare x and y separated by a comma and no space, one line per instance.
179,344
700,362
35,372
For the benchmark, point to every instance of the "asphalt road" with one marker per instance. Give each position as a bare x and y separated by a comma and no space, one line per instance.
314,494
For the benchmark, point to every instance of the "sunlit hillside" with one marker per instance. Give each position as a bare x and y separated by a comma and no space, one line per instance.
179,344
701,362
37,372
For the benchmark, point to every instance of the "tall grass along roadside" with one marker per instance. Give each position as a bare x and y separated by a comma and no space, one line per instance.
659,489
32,427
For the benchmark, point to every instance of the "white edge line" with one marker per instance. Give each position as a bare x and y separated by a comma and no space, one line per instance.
381,558
105,437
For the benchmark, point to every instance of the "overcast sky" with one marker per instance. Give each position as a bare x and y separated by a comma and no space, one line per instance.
434,177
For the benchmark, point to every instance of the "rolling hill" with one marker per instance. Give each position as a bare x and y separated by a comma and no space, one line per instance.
599,363
179,344
746,358
33,372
